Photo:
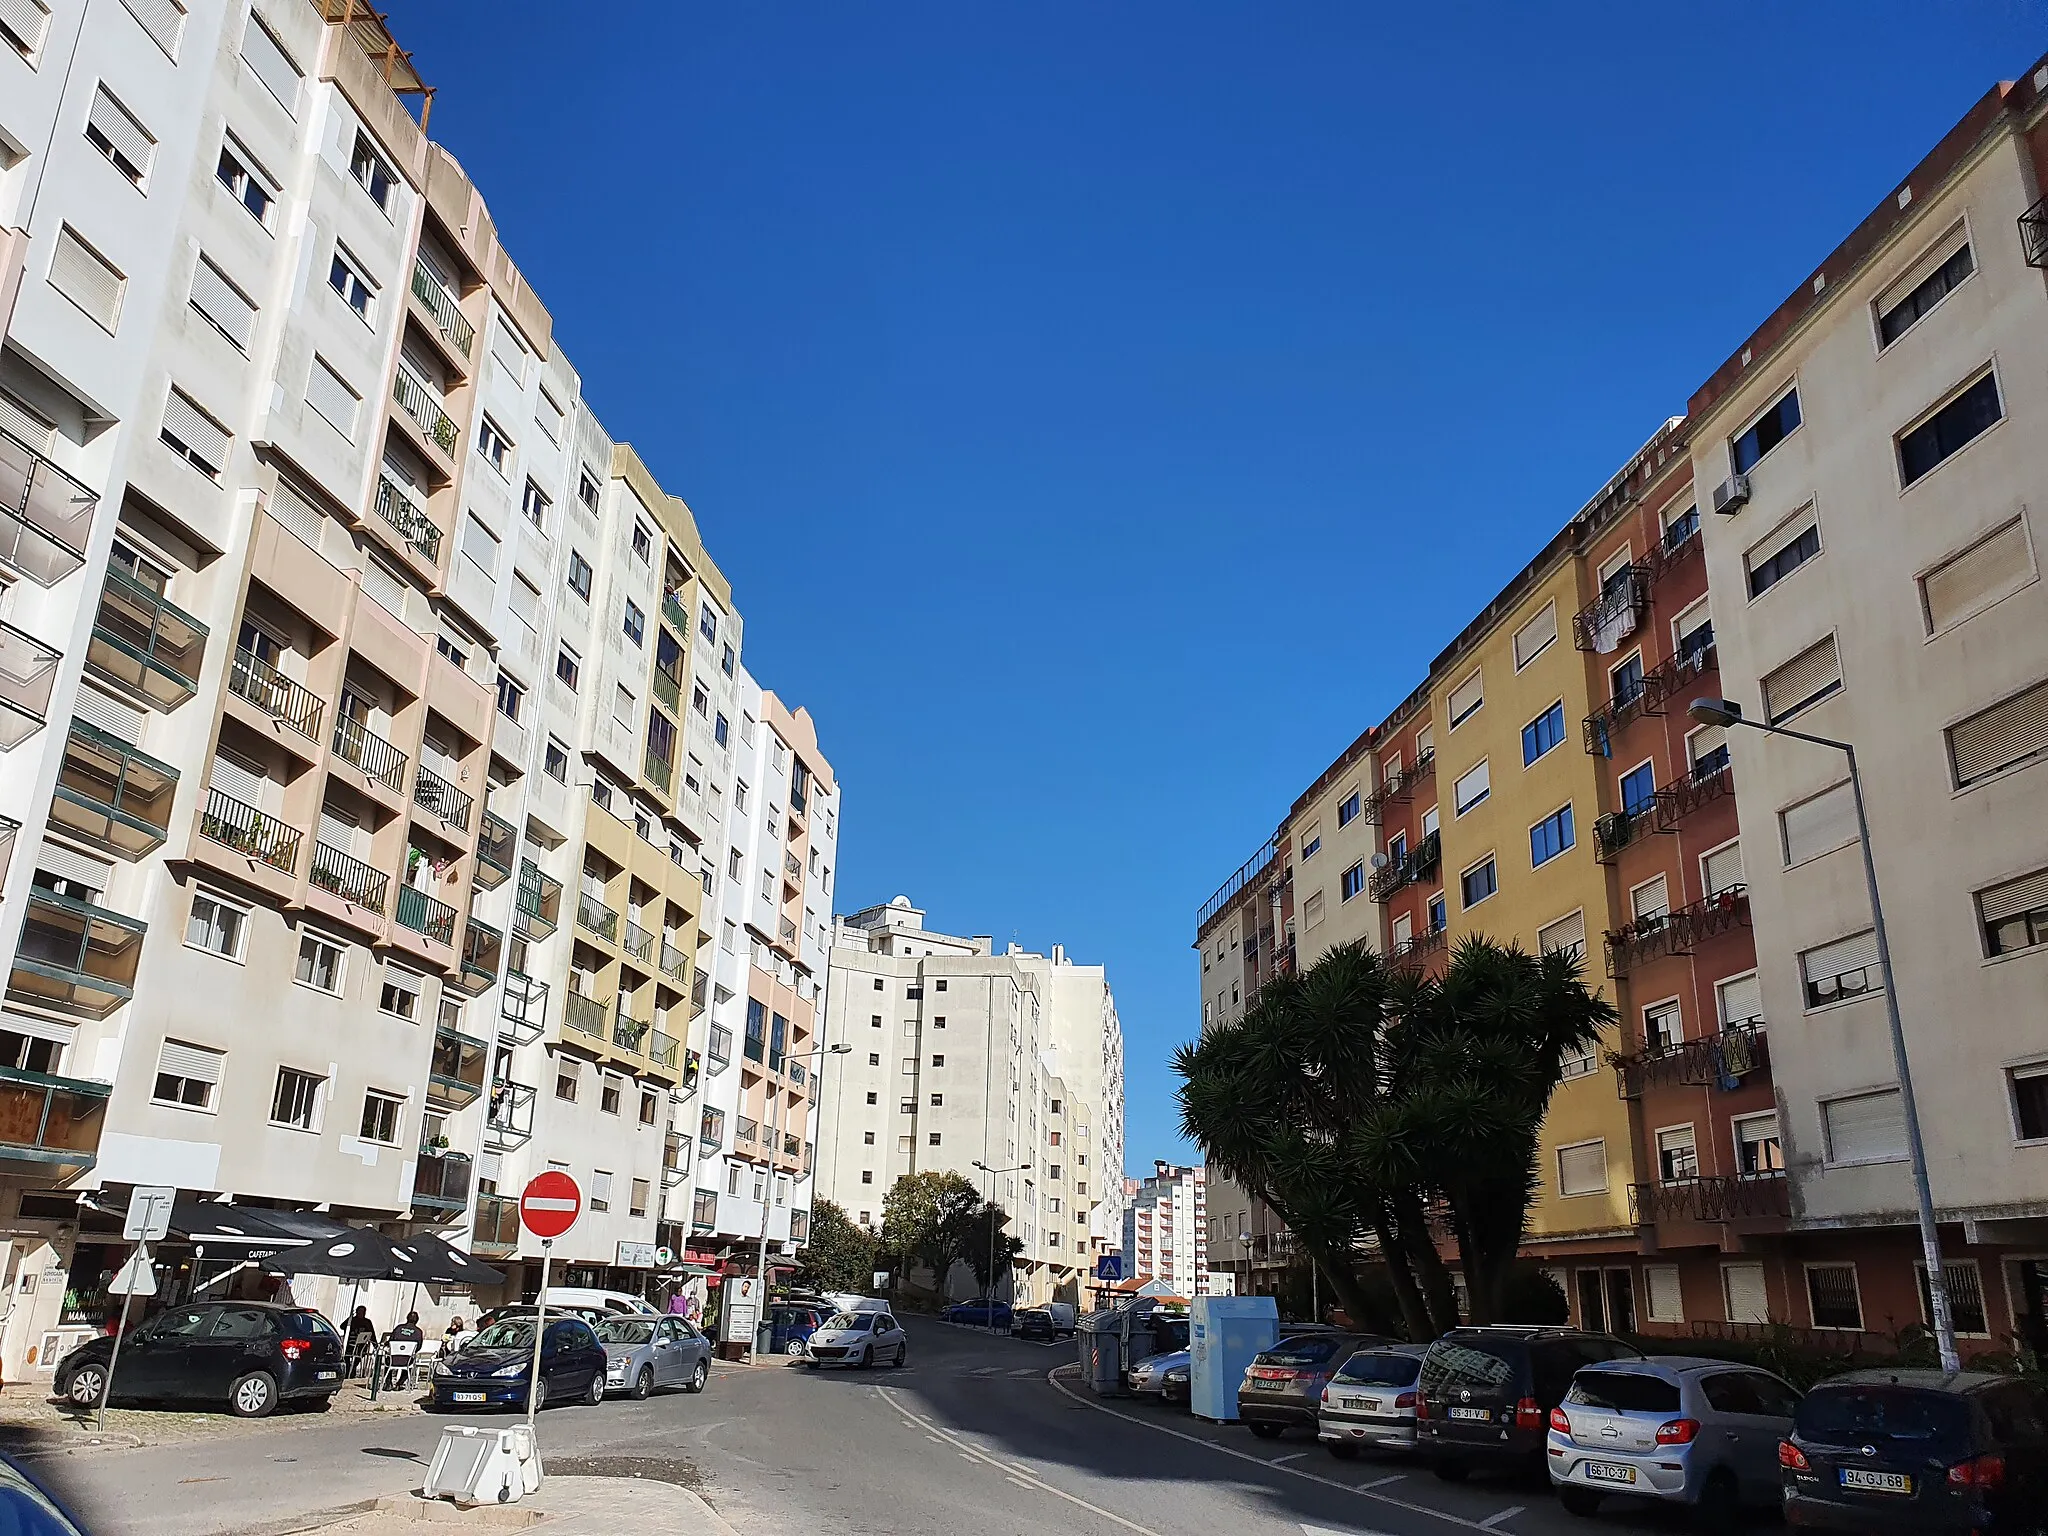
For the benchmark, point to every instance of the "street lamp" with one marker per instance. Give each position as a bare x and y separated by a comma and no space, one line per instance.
768,1193
992,1172
1726,712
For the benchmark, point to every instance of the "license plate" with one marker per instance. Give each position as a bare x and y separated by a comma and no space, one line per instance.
1268,1386
1481,1415
466,1397
1608,1472
327,1375
1366,1403
1876,1482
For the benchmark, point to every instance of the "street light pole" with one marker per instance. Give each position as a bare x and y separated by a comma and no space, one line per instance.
1726,712
992,1172
768,1193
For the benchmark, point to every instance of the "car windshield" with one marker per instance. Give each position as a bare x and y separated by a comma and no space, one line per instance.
1171,1332
626,1330
1310,1351
851,1322
1841,1414
1623,1392
1381,1370
513,1333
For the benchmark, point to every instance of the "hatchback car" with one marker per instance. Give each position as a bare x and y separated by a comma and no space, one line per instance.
248,1355
1702,1433
645,1354
497,1367
1918,1451
793,1324
1148,1376
858,1338
1484,1394
981,1312
1370,1402
1283,1386
1034,1323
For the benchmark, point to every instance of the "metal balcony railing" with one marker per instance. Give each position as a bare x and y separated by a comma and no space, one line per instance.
145,642
744,1132
423,914
1726,1197
50,1124
675,1160
711,1130
1398,787
628,1032
75,956
421,404
523,1008
672,610
792,866
1412,866
1676,932
537,905
593,916
457,1067
658,769
1676,677
1237,882
792,1146
438,797
718,1048
417,530
586,1015
45,515
449,320
441,1180
253,679
704,1210
786,929
357,744
496,1229
1420,944
668,692
1721,1060
495,842
483,951
1614,615
673,962
28,677
662,1050
112,794
509,1119
638,942
238,825
343,875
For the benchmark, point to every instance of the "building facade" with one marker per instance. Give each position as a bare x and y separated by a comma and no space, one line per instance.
1166,1229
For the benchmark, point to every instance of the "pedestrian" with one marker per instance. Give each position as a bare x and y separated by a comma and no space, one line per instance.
454,1338
360,1338
679,1303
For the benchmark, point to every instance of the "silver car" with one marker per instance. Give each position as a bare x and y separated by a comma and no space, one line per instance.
1149,1374
858,1338
644,1354
1370,1402
1703,1433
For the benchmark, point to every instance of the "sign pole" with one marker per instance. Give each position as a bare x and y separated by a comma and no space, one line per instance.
540,1319
114,1356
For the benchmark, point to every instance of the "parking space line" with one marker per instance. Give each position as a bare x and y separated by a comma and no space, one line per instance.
1386,1480
1493,1522
1281,1461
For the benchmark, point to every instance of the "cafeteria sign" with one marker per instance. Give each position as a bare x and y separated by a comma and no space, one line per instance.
635,1255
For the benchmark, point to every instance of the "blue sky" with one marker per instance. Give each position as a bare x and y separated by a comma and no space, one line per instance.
1104,412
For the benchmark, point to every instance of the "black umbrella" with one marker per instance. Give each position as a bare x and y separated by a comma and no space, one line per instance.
358,1253
431,1261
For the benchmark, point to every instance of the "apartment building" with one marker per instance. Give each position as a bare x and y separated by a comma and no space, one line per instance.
958,1056
1166,1229
343,652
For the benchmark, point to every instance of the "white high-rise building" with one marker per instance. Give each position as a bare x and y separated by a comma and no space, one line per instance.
1166,1229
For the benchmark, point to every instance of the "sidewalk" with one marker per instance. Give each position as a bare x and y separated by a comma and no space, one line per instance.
32,1422
565,1506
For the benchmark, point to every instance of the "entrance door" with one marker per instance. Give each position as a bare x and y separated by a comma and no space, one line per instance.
1621,1301
1592,1303
2030,1297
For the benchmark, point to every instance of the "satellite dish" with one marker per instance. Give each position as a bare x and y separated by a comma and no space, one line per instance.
1379,861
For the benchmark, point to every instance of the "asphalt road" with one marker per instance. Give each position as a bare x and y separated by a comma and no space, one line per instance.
970,1436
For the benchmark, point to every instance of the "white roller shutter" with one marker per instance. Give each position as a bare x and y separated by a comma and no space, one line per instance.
1978,577
221,302
67,864
1740,1000
1845,968
406,981
489,1167
23,424
87,278
330,395
109,714
548,417
24,21
1535,636
117,125
1466,697
1868,1128
1472,788
2001,736
1667,1303
198,1062
1742,1287
1582,1170
293,510
191,430
338,830
1819,825
600,1187
1707,742
163,20
1813,674
386,588
272,65
239,780
510,352
2014,897
1566,933
1652,899
524,598
480,545
1723,869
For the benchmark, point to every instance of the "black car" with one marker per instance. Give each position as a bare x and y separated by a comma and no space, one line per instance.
1918,1451
1484,1395
496,1368
1034,1323
248,1355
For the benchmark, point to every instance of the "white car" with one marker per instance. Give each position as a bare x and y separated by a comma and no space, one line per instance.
857,1338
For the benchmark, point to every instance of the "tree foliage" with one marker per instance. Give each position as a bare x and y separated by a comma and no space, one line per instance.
986,1243
1360,1099
923,1219
839,1255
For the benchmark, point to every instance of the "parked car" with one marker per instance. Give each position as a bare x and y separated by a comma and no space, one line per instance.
495,1370
248,1355
1148,1376
793,1323
858,1338
1176,1383
1702,1433
1034,1323
30,1509
981,1312
1370,1402
589,1298
1918,1451
1484,1394
1283,1386
841,1301
1066,1319
644,1354
592,1315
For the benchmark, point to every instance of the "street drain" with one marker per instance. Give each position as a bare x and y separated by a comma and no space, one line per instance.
656,1469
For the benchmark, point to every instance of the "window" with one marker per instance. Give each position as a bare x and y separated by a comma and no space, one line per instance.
700,701
368,168
1831,1292
1650,900
2029,1088
636,622
320,963
1582,1169
1995,567
1639,788
579,574
1740,1001
939,1022
382,1115
1818,825
556,763
216,925
1694,632
1968,415
721,732
1439,918
1842,970
534,504
1625,682
1470,790
1899,312
608,1095
707,623
1550,837
941,987
270,64
933,1139
1965,1287
1678,1156
1721,870
1757,1148
1352,881
637,1203
494,445
2012,915
87,279
1477,883
333,398
939,1060
567,1074
2001,737
1536,636
510,697
1782,552
600,1190
1768,430
587,491
347,279
250,188
400,995
1663,1027
1567,934
643,543
187,1075
1348,809
1682,527
1312,842
113,130
295,1102
1542,733
728,661
1666,1301
1865,1127
1707,747
1465,699
1807,678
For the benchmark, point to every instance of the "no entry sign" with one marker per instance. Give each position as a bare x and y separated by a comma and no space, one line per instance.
550,1205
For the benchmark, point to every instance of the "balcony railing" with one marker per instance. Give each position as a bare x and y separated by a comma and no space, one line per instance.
1412,866
344,875
638,943
28,676
456,1070
509,1119
496,1229
418,402
380,761
1398,788
718,1048
657,769
628,1032
45,515
495,844
145,642
1722,1059
437,797
483,951
537,906
675,1160
792,867
586,1015
449,320
672,610
700,992
711,1130
1420,944
669,692
415,529
1622,829
1727,1197
1616,613
1678,932
798,1072
1673,678
792,1146
523,1006
75,956
441,1180
423,914
593,916
1224,893
744,1132
674,963
112,794
662,1050
50,1123
255,680
787,931
235,824
704,1210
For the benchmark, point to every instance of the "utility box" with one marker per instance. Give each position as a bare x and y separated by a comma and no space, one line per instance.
1224,1333
484,1466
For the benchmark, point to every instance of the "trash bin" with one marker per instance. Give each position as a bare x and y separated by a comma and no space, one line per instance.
764,1337
1100,1338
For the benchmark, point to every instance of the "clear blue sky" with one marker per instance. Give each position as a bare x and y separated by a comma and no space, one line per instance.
1106,411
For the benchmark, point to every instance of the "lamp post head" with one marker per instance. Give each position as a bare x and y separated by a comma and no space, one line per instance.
838,1050
1715,711
981,1165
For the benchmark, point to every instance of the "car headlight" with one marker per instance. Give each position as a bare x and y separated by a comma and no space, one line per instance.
517,1368
443,1368
1178,1373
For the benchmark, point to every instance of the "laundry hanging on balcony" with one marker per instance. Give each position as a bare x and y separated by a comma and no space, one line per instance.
1616,619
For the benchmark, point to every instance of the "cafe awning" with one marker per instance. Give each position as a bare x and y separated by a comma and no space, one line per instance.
247,1231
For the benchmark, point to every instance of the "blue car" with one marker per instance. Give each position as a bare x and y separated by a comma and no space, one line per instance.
494,1371
982,1312
793,1325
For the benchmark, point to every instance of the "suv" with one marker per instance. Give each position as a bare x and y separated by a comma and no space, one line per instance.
1484,1394
1918,1451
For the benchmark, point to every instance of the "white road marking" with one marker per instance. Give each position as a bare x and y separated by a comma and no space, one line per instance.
987,1370
1029,1373
1018,1482
1386,1480
1493,1522
1324,1530
1281,1461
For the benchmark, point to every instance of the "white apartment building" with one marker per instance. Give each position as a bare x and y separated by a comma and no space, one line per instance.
1166,1229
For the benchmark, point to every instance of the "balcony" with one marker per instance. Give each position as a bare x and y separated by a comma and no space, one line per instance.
711,1130
343,875
414,528
50,1124
423,914
74,956
1676,933
449,320
786,932
8,828
537,907
692,1069
255,680
593,916
1420,944
627,1031
672,611
45,515
656,769
718,1047
1622,829
638,943
440,1181
700,990
523,1008
483,951
439,798
495,1231
662,1050
28,673
704,1210
1398,788
495,845
792,1146
799,1074
668,691
792,868
1676,677
1227,891
112,795
421,404
1724,1198
144,643
745,1132
509,1120
674,963
1722,1060
586,1015
456,1070
249,832
1412,866
1616,613
380,762
675,1160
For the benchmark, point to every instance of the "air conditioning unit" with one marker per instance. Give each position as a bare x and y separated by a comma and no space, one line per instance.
1731,495
484,1466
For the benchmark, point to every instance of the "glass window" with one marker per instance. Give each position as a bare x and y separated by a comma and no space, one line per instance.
1478,883
579,574
1639,789
1951,429
1542,733
1550,837
1769,430
1898,318
215,925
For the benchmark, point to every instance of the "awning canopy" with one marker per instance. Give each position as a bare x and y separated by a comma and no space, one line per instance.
433,1261
247,1231
354,1253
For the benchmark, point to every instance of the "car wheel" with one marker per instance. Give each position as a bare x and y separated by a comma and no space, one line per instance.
1578,1501
1266,1431
594,1393
1720,1505
794,1349
85,1386
1340,1450
252,1396
540,1395
902,1354
701,1375
867,1358
1452,1471
643,1384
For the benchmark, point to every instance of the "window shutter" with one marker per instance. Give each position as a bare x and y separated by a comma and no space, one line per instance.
23,424
1705,743
109,714
490,1166
1565,933
204,437
1582,1170
1997,738
293,511
338,831
1748,1300
271,64
118,126
193,1061
94,874
1978,577
1473,786
1811,674
1723,869
480,544
329,394
386,588
1741,1000
1467,696
1666,1303
404,980
163,20
600,1185
222,303
1870,1127
1651,900
1404,925
2014,897
84,277
525,599
239,781
1855,953
25,21
1815,826
1778,543
1533,636
510,352
548,417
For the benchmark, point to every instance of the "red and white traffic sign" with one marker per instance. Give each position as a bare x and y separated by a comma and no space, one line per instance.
550,1205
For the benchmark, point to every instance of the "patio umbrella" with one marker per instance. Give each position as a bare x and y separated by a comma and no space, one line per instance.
358,1253
431,1260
